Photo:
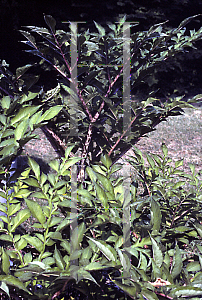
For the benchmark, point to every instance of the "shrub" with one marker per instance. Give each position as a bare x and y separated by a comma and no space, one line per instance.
88,247
94,104
104,237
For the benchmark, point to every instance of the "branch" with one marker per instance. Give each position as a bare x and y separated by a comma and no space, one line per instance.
55,141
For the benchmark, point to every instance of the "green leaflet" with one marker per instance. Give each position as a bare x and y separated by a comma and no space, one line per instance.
5,262
58,259
157,253
177,263
155,216
36,210
106,249
13,281
21,216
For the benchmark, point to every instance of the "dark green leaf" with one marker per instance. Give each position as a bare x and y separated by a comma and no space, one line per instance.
58,259
155,216
50,21
177,263
157,253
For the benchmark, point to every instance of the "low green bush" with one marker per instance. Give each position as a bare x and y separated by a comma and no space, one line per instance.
107,243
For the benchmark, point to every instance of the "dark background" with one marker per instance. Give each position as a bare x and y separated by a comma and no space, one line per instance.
186,77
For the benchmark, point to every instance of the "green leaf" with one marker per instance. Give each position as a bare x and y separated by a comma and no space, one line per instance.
30,38
71,161
54,164
177,263
193,266
187,291
22,193
3,119
50,21
83,274
198,228
58,259
5,102
106,183
179,163
5,262
66,245
192,168
94,266
11,280
149,295
5,237
35,242
106,249
150,160
30,182
13,208
21,129
35,167
24,112
106,160
186,21
36,210
39,195
157,253
20,71
55,220
155,216
21,244
68,151
91,173
27,257
50,113
101,195
4,287
178,184
21,217
78,235
85,193
130,290
100,29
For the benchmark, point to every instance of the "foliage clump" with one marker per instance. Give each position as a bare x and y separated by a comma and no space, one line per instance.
102,236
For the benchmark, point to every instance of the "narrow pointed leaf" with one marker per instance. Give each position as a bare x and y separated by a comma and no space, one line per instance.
157,253
36,210
5,262
21,217
58,259
50,21
50,113
11,280
106,249
155,216
35,167
177,263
